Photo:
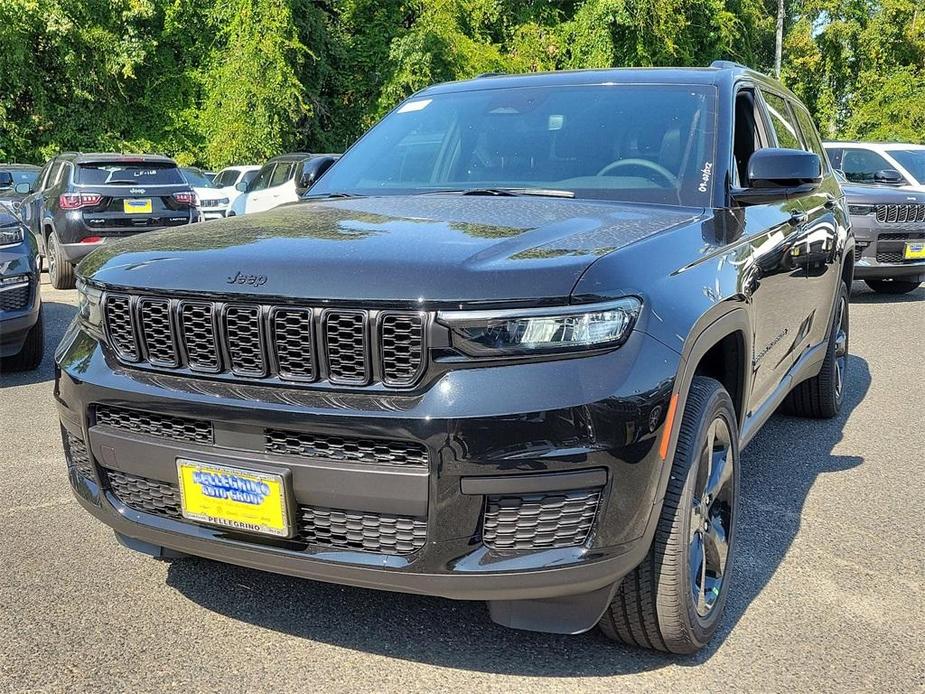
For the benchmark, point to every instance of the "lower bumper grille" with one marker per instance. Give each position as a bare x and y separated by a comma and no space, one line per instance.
361,530
77,455
160,425
540,521
15,298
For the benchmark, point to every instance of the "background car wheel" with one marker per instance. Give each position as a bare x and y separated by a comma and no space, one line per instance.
821,397
892,286
674,600
60,270
30,356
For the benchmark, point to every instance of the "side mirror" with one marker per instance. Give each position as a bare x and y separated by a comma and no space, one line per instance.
312,170
777,173
23,188
889,177
242,187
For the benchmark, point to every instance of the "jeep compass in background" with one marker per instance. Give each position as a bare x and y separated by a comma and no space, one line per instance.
509,350
81,201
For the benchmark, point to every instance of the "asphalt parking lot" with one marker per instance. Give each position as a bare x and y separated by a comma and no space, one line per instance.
829,585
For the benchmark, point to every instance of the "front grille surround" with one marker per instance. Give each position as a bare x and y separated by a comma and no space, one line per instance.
289,344
900,213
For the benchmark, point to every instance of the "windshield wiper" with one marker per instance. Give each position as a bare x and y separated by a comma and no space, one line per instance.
506,192
120,182
331,196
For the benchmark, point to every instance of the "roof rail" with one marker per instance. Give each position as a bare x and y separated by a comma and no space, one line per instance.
725,64
488,74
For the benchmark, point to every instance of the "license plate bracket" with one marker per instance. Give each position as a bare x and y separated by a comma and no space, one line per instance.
235,498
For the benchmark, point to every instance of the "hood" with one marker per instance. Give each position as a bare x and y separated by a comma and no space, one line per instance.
874,194
432,250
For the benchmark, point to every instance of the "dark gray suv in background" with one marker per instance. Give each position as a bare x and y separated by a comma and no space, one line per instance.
509,351
82,201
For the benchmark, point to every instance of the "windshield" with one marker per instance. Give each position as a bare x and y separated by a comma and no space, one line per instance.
913,160
18,176
648,143
196,178
118,173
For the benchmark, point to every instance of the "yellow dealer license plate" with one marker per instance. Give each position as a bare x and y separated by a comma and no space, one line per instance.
245,500
137,206
915,251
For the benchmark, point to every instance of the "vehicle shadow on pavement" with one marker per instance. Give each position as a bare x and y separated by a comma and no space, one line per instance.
860,294
776,478
57,316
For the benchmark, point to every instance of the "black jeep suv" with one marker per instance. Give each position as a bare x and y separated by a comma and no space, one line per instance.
509,351
81,201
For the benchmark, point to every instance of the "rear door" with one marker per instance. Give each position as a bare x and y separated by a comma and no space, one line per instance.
257,197
281,188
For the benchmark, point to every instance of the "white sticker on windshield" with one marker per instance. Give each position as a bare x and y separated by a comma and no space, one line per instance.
418,105
705,174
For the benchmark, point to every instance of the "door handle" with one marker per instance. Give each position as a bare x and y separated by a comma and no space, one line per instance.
797,217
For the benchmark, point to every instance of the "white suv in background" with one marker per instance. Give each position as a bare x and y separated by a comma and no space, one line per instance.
897,164
212,203
282,179
230,178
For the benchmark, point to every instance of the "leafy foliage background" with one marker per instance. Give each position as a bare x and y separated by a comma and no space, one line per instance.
216,82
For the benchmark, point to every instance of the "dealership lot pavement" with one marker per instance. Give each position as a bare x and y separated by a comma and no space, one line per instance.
829,594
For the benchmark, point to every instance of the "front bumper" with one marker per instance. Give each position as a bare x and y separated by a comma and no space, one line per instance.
505,431
19,305
878,249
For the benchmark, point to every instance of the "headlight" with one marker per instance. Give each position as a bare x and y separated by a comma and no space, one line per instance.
861,210
542,331
90,306
11,235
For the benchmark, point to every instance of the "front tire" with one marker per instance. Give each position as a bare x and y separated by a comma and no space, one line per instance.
892,286
821,396
60,269
675,599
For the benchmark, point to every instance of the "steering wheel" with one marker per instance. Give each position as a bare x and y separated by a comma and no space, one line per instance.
671,179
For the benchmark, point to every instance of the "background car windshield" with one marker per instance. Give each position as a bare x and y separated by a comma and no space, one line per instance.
141,174
196,178
228,177
649,143
913,160
20,176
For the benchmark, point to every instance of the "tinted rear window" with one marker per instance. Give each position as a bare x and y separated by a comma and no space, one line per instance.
134,174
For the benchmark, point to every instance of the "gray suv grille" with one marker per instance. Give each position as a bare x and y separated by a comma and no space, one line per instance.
346,449
539,521
361,530
160,425
900,214
300,345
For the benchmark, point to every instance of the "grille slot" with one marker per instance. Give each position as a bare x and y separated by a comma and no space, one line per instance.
539,521
121,326
158,332
351,347
145,495
900,214
244,337
15,299
197,322
370,532
401,345
857,252
902,236
889,256
293,341
352,450
75,451
347,347
160,425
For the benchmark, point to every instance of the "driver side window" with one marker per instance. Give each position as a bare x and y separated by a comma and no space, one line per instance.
262,179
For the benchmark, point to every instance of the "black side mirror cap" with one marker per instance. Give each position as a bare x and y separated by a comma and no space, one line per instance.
776,173
889,177
312,170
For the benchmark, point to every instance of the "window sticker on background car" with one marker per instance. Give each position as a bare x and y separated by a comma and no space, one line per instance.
705,173
412,106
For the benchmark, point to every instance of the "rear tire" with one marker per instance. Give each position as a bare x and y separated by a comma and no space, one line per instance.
821,396
892,286
60,269
674,600
33,348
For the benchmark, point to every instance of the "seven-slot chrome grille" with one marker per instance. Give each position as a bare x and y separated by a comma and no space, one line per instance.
349,347
901,214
